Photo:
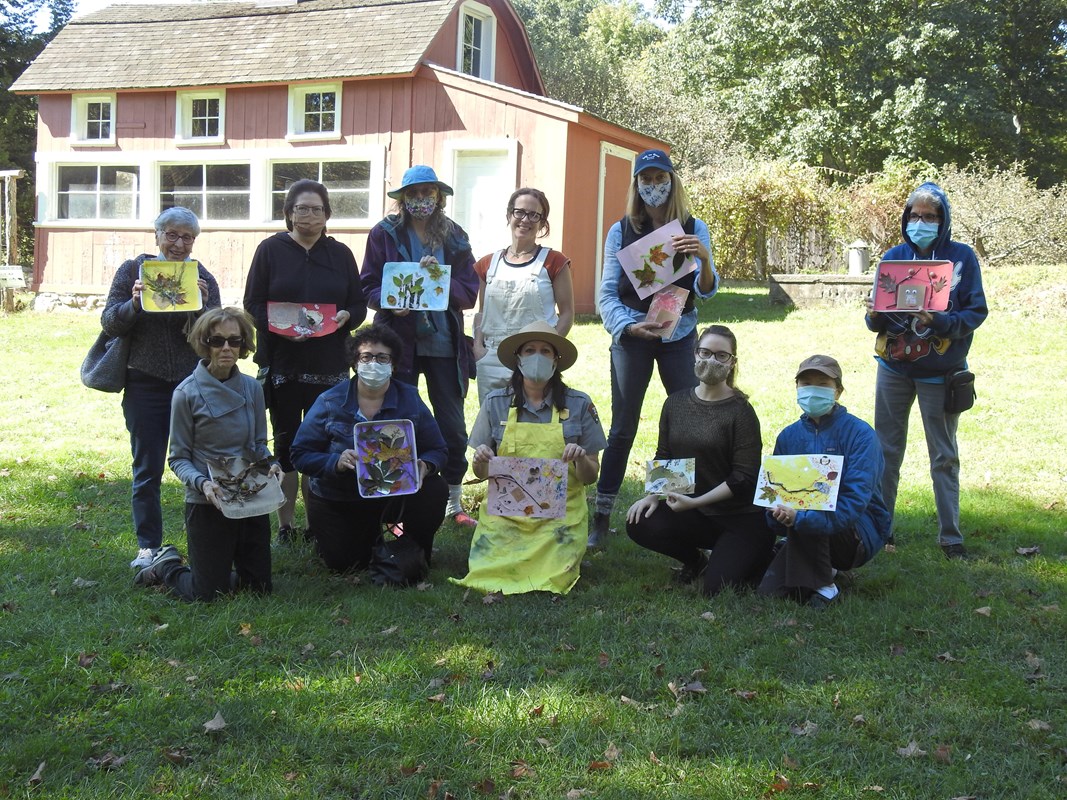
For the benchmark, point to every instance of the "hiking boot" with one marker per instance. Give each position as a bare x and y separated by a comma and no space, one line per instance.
143,559
690,572
153,574
598,530
820,602
954,551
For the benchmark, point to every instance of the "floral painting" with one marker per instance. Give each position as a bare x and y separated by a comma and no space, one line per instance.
246,487
676,475
301,319
387,460
912,286
804,482
652,263
408,285
170,286
527,487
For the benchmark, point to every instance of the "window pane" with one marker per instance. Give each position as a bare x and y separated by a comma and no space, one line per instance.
346,174
329,101
121,178
228,176
227,206
327,122
116,206
77,178
284,175
77,206
193,202
350,205
174,177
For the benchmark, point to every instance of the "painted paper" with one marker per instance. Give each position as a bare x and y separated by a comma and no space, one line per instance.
912,285
301,319
652,263
666,306
407,285
170,286
387,460
527,487
676,475
246,488
805,482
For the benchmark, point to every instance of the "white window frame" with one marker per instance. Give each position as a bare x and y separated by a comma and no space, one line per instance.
79,120
205,164
183,117
487,45
297,93
136,194
374,212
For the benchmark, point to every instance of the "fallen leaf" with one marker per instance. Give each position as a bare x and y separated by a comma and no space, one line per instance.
653,759
485,786
411,769
693,687
216,723
576,794
107,761
82,583
536,711
1051,607
493,597
789,763
811,786
911,751
603,659
985,611
161,628
520,769
1039,725
781,784
544,742
874,788
807,728
1028,551
943,753
86,659
745,694
291,776
859,719
1033,661
389,631
435,787
245,629
708,616
897,650
423,586
612,752
598,765
256,641
177,755
836,702
437,698
945,657
38,776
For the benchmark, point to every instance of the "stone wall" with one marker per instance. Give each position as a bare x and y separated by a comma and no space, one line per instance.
813,291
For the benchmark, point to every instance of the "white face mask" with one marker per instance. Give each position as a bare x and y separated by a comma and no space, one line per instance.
654,194
373,374
536,367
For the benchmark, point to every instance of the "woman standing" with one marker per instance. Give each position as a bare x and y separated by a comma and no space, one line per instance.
520,284
536,416
306,266
217,413
160,358
656,197
420,232
714,424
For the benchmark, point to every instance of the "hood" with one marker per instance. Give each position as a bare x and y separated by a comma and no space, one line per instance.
944,234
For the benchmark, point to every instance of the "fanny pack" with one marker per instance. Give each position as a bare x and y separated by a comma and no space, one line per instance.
959,391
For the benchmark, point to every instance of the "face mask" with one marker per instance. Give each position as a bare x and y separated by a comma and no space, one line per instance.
374,375
654,194
420,207
536,367
922,234
816,401
711,371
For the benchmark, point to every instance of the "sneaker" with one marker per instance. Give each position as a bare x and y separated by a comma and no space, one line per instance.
954,551
820,602
464,520
152,575
690,572
598,530
144,558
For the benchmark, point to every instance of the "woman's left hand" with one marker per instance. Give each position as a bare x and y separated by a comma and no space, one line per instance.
425,261
690,245
925,317
346,461
341,317
784,515
572,452
680,502
275,471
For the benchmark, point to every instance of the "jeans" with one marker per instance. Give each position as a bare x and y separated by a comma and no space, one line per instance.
446,398
893,398
146,407
631,370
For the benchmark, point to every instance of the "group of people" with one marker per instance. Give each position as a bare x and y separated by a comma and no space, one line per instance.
183,385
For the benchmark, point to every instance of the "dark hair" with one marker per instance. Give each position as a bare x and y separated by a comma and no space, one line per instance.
837,381
555,385
438,225
374,334
725,333
299,188
537,195
214,317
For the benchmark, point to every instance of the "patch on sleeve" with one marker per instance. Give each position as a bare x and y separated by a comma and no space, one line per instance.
592,410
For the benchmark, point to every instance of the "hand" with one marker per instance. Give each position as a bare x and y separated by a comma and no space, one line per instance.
424,470
138,289
642,508
211,491
572,452
690,245
425,261
400,312
299,338
275,471
924,317
786,516
341,317
346,461
482,454
479,350
680,502
647,329
870,308
202,284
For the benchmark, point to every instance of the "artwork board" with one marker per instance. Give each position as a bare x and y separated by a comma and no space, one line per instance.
676,475
667,306
527,487
245,488
805,482
170,286
387,461
651,263
301,319
408,285
912,286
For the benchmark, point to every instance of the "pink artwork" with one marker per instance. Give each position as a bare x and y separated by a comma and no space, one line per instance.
301,319
652,263
667,305
912,286
527,487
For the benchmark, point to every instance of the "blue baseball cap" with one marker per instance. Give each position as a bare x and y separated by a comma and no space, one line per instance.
653,158
419,173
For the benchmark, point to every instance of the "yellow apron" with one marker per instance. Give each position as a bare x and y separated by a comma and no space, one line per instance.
518,554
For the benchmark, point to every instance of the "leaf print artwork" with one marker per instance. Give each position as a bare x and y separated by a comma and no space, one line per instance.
387,460
170,286
651,262
527,487
301,319
912,286
407,285
804,482
245,486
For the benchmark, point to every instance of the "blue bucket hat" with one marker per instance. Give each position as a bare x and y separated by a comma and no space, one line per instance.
653,158
419,173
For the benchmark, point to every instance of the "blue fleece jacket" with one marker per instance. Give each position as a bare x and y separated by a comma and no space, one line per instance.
910,348
859,495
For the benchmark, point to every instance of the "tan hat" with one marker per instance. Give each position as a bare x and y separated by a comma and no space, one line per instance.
824,364
539,331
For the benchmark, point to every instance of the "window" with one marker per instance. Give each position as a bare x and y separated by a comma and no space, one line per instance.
97,192
201,117
477,34
211,191
315,111
347,181
92,119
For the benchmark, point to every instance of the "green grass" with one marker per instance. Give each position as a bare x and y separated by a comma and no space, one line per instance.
333,688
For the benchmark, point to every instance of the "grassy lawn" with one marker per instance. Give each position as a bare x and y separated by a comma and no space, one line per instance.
930,679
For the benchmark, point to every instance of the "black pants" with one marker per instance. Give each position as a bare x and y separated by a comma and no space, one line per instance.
345,530
289,402
224,555
740,543
806,563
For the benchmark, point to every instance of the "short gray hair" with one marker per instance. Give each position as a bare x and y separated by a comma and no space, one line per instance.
922,195
178,217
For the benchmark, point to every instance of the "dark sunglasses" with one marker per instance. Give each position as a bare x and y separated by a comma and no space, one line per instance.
218,341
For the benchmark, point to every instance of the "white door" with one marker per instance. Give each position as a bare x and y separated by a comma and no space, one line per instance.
483,180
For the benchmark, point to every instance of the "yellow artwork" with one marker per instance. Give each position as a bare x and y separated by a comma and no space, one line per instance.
804,482
170,286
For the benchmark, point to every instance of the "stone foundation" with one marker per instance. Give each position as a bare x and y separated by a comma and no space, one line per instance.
813,291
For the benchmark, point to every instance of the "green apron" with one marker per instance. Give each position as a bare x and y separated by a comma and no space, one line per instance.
519,554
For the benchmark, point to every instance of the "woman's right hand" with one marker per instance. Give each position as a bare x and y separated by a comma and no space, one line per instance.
642,508
647,329
346,461
479,350
136,292
211,491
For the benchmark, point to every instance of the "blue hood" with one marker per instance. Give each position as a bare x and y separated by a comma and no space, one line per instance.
944,234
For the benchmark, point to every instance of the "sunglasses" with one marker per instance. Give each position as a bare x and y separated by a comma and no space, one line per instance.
218,341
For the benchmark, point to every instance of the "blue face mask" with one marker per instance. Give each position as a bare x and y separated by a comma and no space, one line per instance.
654,194
816,401
922,234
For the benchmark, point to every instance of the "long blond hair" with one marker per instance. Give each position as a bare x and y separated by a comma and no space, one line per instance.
677,204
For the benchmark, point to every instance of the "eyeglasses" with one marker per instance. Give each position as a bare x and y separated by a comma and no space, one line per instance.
719,355
218,341
309,211
186,238
930,218
521,214
381,358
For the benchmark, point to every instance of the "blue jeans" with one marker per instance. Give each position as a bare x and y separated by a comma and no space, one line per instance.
631,370
894,395
146,407
446,398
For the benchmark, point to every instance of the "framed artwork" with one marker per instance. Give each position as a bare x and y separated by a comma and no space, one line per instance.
301,319
527,487
407,285
667,306
912,285
804,482
676,475
387,459
246,488
651,262
170,286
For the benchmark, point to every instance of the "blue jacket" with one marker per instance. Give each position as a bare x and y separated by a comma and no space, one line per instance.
906,346
327,431
859,497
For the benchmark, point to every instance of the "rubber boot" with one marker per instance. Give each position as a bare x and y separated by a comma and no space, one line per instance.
598,530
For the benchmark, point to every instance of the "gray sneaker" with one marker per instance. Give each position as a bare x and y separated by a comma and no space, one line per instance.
144,558
153,574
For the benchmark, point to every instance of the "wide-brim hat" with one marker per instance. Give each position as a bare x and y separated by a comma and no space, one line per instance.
825,364
419,173
653,158
540,331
